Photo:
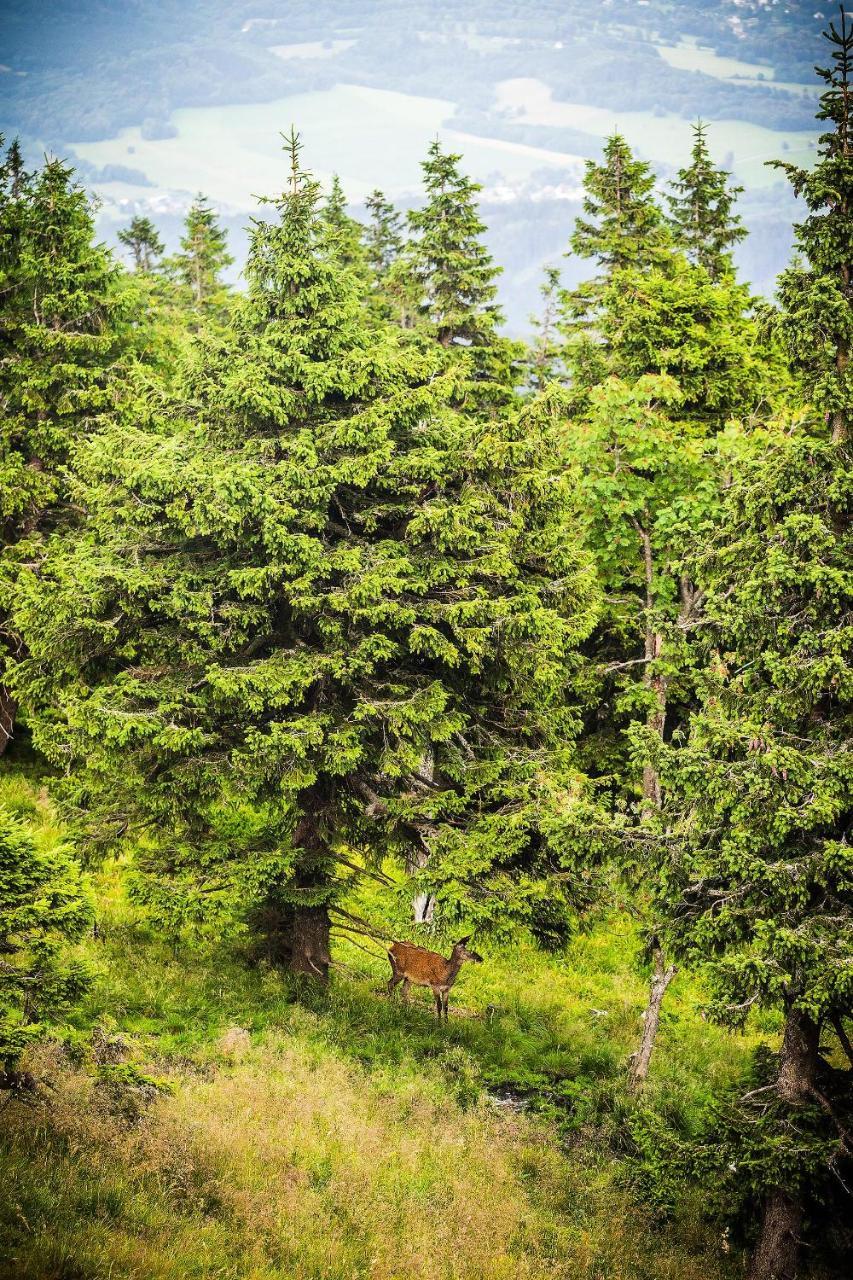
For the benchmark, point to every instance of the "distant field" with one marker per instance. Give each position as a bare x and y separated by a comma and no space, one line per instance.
370,137
743,147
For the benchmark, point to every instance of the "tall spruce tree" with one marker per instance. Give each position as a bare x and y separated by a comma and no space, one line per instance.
61,313
816,293
203,257
701,208
449,275
144,242
454,269
760,884
622,228
346,233
314,577
660,358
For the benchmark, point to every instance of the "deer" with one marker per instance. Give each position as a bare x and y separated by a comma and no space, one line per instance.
412,964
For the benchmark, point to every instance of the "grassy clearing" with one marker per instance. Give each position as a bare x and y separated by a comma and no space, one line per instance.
318,1135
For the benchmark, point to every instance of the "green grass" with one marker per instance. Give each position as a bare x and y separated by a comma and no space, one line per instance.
325,1134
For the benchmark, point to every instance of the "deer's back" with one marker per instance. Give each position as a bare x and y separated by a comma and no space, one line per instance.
426,968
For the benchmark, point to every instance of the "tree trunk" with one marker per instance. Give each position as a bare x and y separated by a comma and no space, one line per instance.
296,935
656,719
661,978
777,1251
423,904
309,942
8,710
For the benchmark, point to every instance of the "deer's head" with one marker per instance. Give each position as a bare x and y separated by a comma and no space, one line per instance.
461,952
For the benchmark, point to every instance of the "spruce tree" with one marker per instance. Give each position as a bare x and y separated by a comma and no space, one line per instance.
660,358
451,277
760,877
545,357
43,907
384,236
701,209
622,224
144,242
346,233
392,296
314,577
455,271
622,229
816,291
61,319
203,257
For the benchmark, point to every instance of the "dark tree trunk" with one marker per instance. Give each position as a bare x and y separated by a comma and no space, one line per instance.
661,978
8,711
309,951
777,1251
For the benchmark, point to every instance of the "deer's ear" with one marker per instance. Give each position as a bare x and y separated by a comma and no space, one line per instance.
463,942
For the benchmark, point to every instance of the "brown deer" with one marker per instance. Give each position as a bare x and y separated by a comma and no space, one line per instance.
411,964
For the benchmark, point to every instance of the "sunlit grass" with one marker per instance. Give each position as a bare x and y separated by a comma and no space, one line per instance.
338,1133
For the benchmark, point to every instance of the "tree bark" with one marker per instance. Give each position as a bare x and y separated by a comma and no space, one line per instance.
423,904
661,978
656,719
777,1250
296,936
309,942
8,711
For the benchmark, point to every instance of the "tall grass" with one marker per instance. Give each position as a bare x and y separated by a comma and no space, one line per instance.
317,1134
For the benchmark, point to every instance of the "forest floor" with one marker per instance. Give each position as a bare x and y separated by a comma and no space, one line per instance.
212,1118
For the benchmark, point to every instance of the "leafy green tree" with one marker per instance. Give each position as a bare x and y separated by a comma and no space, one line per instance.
204,256
316,611
144,242
61,317
760,880
701,208
43,906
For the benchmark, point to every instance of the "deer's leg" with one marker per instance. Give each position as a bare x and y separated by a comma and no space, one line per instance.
437,995
393,980
406,985
444,999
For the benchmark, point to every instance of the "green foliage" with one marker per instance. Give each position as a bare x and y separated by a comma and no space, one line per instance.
43,906
701,210
759,875
449,278
63,313
144,243
816,292
204,255
296,586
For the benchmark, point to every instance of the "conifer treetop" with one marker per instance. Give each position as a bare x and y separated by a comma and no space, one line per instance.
816,293
622,224
702,209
